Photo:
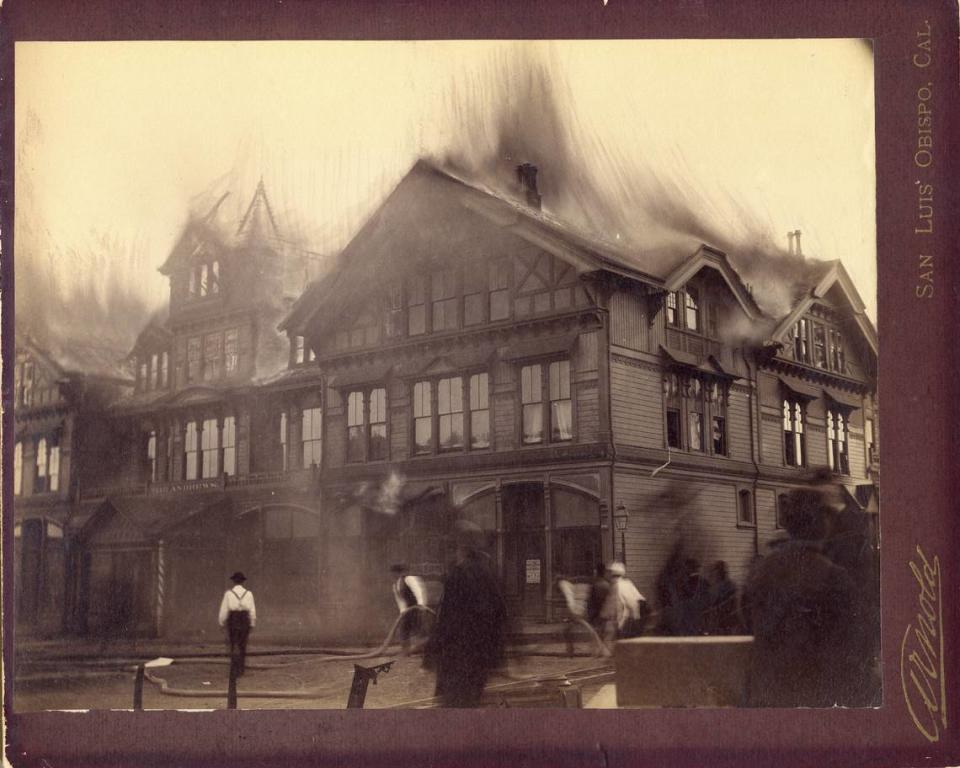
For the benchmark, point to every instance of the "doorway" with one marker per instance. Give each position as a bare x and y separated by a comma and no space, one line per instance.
524,550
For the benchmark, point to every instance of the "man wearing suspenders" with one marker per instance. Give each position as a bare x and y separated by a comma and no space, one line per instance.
238,614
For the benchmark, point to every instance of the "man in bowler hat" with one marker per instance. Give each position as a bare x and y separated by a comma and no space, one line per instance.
238,613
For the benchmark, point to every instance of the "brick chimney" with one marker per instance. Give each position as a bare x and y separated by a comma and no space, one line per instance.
527,176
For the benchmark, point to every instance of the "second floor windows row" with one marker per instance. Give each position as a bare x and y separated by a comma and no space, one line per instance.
451,414
694,404
213,356
209,448
46,466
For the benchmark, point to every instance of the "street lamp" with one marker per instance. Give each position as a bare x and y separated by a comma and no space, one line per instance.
621,517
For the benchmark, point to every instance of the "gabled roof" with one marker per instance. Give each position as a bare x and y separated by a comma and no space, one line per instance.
834,276
153,335
712,258
69,358
258,221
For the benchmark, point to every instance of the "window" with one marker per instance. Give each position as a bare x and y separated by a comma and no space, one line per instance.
193,359
561,411
152,456
311,435
17,469
367,423
40,483
53,469
143,377
283,440
695,404
499,286
782,501
474,290
229,462
422,417
444,289
531,398
479,411
794,453
393,319
800,349
837,359
450,411
28,383
416,306
869,440
190,451
673,315
212,354
298,345
205,279
692,306
164,369
155,370
837,442
231,351
355,426
210,444
745,508
377,427
819,346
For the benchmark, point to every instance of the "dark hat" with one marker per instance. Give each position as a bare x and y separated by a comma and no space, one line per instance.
238,578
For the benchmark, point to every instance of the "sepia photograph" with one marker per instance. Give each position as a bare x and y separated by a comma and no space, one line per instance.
445,374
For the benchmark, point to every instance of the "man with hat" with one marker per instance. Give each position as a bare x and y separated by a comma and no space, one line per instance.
238,613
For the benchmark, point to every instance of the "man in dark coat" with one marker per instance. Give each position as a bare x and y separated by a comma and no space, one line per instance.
467,643
811,648
598,597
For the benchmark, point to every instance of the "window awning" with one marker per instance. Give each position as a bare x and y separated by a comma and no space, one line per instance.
800,390
843,399
371,373
539,347
439,363
681,358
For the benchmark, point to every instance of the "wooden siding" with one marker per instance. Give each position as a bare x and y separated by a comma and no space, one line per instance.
858,456
738,425
767,516
587,411
636,394
772,441
707,525
816,445
628,321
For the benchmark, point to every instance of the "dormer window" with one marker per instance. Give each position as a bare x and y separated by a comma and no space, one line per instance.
301,352
801,349
205,279
692,302
819,346
683,309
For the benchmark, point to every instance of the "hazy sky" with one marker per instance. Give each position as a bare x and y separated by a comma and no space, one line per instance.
116,141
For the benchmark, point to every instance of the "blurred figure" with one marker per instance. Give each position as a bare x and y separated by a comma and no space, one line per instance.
408,591
468,639
811,647
723,616
238,613
694,600
599,591
624,612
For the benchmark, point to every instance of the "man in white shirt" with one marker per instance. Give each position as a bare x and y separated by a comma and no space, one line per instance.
238,613
408,590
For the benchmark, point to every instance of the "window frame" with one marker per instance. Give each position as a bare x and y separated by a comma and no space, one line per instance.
466,379
365,425
745,501
838,451
314,441
796,415
18,468
688,394
546,400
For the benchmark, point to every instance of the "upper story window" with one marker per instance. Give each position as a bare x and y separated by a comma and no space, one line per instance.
393,310
838,361
205,279
164,369
231,351
498,274
819,346
229,447
191,451
210,444
283,441
152,456
451,414
692,307
551,386
301,352
474,292
153,371
794,437
17,469
745,514
213,356
193,359
869,439
28,371
47,476
692,405
801,349
683,309
444,310
311,434
837,442
416,305
367,425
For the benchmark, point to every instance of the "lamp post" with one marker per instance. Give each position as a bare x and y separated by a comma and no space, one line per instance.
620,518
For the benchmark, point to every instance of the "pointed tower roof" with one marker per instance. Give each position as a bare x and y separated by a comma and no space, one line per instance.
258,221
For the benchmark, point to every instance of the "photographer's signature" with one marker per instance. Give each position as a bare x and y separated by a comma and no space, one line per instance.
921,652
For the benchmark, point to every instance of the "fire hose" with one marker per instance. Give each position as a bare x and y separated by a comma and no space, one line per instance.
167,689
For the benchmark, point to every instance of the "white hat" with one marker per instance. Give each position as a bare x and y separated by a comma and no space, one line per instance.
617,569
